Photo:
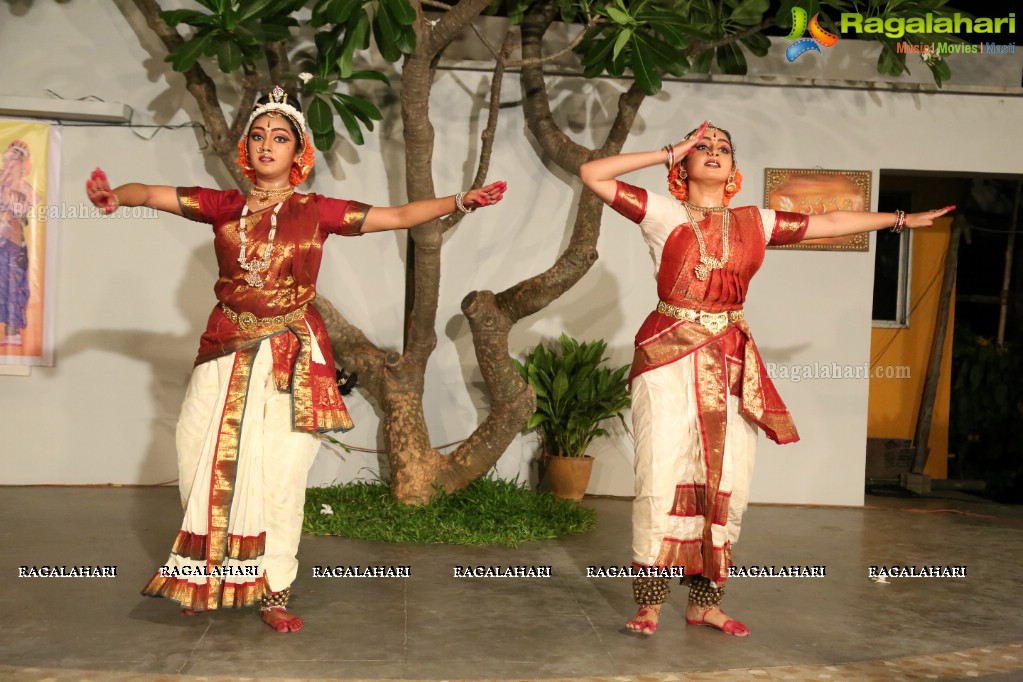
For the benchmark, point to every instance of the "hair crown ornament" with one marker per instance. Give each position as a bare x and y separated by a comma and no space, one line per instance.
276,104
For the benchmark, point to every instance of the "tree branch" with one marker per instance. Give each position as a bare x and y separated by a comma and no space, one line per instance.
278,62
451,25
536,104
493,113
698,47
628,107
250,90
518,63
202,88
353,349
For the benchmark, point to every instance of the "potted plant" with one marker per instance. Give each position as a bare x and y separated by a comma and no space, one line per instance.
575,393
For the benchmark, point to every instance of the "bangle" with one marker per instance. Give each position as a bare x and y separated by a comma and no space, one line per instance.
461,207
900,221
671,155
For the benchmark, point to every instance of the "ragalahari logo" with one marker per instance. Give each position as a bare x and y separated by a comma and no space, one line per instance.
818,36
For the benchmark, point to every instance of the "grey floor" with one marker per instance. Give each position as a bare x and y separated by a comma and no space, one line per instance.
434,626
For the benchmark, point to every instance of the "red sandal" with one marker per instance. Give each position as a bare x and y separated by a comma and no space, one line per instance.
643,626
730,626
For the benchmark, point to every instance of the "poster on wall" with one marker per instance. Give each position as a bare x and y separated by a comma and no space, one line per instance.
29,163
817,191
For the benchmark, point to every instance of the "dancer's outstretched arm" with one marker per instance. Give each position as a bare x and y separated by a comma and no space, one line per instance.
418,212
160,197
843,223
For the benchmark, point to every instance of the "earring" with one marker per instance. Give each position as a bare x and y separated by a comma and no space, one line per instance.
730,186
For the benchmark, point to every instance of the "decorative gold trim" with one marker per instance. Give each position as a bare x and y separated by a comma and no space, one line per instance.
712,322
247,321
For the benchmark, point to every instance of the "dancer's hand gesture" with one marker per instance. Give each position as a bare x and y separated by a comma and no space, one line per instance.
682,148
485,196
97,187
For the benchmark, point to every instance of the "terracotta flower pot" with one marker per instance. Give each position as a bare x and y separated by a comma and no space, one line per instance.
568,476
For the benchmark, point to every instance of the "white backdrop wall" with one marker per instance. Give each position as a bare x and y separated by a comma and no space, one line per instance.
133,295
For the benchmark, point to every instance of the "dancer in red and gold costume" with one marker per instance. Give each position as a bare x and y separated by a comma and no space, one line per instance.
264,381
699,388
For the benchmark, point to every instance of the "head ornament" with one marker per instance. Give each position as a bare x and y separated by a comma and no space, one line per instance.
277,104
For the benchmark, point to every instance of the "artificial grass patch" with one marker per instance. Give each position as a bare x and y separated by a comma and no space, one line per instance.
488,512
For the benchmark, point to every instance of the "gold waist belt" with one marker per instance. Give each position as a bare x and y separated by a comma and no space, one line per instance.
714,322
248,321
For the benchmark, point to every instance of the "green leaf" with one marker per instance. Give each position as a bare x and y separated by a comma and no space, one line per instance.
401,10
389,27
187,16
731,60
385,44
645,70
319,116
406,41
183,58
758,44
619,17
665,56
703,62
342,10
370,75
324,140
940,71
355,36
890,62
620,42
351,125
597,51
271,32
535,421
362,107
229,56
750,12
251,9
215,6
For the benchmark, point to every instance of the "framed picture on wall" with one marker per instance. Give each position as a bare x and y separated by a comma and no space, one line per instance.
815,191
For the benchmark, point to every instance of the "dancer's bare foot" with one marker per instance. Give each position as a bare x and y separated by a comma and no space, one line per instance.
645,622
282,620
189,612
716,618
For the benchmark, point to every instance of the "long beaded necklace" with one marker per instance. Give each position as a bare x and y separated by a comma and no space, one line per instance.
707,262
253,268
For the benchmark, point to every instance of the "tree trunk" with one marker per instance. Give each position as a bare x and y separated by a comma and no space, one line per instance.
396,380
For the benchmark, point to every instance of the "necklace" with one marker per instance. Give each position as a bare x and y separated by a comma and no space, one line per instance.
705,209
253,278
708,263
263,195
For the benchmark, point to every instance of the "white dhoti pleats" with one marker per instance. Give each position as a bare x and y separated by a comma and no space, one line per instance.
671,468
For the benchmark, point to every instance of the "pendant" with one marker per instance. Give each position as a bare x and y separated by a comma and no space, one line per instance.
254,280
707,263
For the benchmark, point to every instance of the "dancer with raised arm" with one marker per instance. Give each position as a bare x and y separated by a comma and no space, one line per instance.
264,381
699,388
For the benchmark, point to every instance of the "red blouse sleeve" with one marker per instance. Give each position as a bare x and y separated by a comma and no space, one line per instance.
338,216
789,228
630,201
200,204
